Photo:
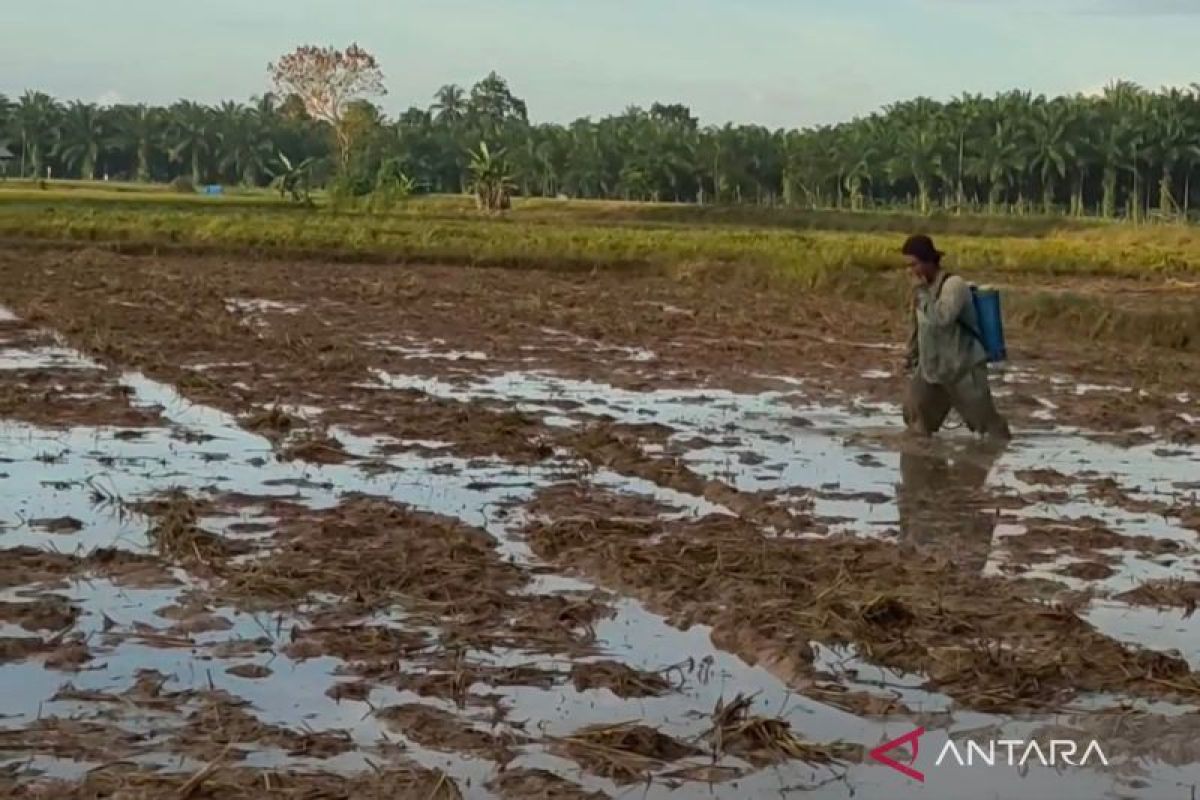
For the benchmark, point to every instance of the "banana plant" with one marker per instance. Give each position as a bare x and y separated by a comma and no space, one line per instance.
391,186
294,179
491,182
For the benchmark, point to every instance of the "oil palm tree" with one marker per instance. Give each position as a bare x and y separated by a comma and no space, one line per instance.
1127,148
963,115
35,120
548,158
1082,164
918,158
5,124
995,160
1118,141
862,149
918,130
584,172
244,145
1175,138
82,134
265,105
1115,145
189,136
138,130
1051,134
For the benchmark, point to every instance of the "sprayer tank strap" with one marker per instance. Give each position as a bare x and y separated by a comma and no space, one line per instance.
971,329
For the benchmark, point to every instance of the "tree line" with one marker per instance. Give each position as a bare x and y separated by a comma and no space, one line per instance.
1125,152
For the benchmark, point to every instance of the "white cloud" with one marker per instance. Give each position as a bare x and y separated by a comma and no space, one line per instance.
110,97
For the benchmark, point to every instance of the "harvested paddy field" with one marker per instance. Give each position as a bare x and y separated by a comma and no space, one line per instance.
305,529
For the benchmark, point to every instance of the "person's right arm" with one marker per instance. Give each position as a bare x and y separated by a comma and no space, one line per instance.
944,310
912,356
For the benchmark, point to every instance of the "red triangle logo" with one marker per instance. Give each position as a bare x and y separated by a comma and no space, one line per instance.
911,738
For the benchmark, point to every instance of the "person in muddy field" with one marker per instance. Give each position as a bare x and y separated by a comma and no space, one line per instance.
946,360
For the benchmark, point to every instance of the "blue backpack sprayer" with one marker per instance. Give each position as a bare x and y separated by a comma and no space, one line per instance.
991,323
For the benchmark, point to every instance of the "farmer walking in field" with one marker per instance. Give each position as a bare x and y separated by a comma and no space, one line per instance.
947,362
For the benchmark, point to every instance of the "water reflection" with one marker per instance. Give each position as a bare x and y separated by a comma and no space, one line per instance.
943,504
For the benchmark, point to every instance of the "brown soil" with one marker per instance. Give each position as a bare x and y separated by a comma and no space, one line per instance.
1108,491
250,671
977,640
1100,489
219,727
77,740
24,565
625,753
213,725
146,692
19,648
439,730
53,396
763,741
372,554
47,613
1166,593
63,525
376,553
1045,476
164,315
315,448
1087,570
407,600
1044,540
619,449
354,643
217,782
536,784
621,680
1169,739
453,679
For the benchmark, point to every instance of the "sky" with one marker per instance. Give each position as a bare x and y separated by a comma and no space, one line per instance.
781,63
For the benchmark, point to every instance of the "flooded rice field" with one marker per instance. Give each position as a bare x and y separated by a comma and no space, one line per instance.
353,531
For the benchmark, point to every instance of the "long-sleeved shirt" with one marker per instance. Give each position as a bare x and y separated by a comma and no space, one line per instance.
943,345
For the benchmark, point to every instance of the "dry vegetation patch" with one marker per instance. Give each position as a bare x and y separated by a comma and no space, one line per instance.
976,639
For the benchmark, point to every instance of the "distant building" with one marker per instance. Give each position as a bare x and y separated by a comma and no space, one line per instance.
5,157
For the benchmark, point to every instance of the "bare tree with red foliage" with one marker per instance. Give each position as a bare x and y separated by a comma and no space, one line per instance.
327,80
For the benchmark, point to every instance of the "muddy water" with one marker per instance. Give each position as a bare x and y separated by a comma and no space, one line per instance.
848,464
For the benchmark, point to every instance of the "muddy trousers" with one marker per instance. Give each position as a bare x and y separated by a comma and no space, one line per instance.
928,404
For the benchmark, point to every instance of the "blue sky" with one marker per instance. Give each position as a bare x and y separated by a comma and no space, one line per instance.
776,62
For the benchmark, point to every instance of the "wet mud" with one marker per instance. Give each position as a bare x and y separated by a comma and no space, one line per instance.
360,531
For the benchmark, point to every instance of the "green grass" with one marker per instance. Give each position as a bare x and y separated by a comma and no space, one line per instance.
600,212
107,193
574,235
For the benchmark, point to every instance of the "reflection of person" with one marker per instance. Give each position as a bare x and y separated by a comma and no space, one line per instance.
946,360
942,506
